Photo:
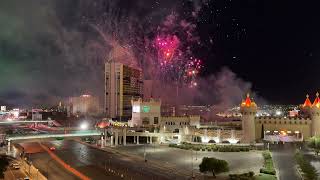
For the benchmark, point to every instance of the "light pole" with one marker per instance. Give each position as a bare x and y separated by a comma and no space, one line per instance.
192,162
144,153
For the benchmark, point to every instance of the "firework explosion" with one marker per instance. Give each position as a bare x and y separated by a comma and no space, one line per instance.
174,63
161,45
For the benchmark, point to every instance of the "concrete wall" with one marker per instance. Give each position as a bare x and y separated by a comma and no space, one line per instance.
170,123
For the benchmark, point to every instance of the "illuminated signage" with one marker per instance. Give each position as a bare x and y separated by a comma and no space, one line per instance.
136,109
146,109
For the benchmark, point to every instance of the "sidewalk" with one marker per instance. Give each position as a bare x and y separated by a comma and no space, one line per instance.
31,171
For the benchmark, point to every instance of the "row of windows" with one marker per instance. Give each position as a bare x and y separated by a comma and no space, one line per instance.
181,123
285,122
146,120
170,123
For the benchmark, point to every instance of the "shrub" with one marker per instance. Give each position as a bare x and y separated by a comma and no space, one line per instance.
268,171
215,148
213,165
243,176
173,145
268,164
314,143
309,172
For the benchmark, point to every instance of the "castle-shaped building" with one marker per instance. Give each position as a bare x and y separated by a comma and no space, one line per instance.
302,127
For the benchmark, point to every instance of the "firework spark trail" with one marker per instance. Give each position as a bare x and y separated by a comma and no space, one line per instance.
174,62
162,49
118,52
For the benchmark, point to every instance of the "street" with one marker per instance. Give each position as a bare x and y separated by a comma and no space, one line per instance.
94,163
283,158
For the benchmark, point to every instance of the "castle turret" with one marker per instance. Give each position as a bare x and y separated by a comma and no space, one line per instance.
315,116
248,109
307,102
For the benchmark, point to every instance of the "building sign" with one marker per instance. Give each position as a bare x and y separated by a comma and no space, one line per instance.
3,108
146,109
136,109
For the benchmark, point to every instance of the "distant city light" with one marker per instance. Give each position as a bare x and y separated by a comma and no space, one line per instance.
233,141
278,113
85,95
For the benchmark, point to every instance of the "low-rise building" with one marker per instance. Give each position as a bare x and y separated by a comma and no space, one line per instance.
145,112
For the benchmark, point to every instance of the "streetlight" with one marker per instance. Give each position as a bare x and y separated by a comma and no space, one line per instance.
84,126
192,163
144,153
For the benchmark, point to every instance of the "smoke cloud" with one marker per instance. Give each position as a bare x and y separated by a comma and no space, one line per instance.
50,50
223,90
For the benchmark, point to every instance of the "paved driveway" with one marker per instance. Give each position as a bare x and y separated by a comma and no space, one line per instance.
238,161
283,158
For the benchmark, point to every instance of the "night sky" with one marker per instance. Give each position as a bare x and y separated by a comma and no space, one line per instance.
48,51
279,53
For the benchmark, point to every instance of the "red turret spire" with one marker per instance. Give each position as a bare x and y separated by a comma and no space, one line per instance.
307,102
248,100
316,101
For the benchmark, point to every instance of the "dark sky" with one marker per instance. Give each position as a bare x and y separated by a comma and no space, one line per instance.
48,52
279,53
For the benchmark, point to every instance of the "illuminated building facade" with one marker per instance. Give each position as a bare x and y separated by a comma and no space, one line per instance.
84,105
287,129
122,83
146,112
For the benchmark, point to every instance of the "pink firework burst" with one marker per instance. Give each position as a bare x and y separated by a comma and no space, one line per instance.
167,48
175,62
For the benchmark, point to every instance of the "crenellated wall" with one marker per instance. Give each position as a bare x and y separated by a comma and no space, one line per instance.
302,125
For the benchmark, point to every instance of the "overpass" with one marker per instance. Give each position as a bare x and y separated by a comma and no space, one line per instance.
22,122
44,136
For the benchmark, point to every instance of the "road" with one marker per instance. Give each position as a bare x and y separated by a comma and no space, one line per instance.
42,161
95,163
50,168
283,157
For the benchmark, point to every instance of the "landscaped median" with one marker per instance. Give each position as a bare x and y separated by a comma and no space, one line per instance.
306,170
211,147
268,171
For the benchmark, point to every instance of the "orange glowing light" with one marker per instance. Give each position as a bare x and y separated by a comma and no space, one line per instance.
307,102
316,101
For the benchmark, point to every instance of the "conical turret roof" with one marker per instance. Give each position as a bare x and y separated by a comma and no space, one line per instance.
316,102
248,102
307,102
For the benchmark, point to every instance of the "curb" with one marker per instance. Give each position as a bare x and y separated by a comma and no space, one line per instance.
275,167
